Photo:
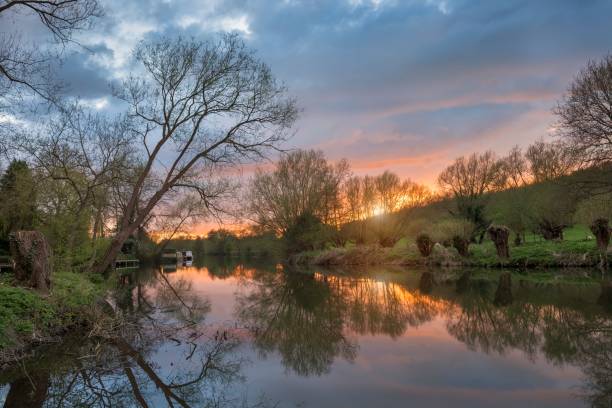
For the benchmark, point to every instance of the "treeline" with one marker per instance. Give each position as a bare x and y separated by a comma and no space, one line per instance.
542,189
228,243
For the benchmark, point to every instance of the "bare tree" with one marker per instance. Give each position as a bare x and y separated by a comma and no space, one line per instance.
354,191
471,177
390,192
585,112
549,161
515,167
26,67
467,180
199,108
302,182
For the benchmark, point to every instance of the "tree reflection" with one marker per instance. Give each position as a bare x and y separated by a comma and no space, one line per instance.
299,316
115,368
308,318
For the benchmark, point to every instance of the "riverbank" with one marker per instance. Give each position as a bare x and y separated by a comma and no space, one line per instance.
543,254
29,319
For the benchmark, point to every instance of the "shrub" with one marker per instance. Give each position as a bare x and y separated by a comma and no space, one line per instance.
461,245
425,244
445,230
308,233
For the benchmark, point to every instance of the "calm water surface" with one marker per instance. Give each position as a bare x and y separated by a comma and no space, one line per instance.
228,334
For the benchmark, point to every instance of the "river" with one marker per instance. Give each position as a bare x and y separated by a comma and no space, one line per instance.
228,333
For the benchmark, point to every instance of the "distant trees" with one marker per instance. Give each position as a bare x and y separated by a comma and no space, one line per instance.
467,180
220,241
515,168
303,182
304,187
549,161
383,194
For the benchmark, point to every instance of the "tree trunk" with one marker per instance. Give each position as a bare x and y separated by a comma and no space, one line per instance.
113,250
462,245
503,294
426,282
499,235
463,283
28,391
601,229
424,244
32,255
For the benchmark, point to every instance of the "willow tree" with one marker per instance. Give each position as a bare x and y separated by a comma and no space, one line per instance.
199,109
468,180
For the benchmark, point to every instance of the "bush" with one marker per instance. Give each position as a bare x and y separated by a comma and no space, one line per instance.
308,233
425,244
446,229
461,245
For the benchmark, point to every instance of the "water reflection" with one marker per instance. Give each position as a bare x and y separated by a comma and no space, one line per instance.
169,353
310,319
155,352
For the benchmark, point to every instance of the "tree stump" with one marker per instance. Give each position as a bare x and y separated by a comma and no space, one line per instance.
551,231
425,244
463,283
503,294
30,391
499,234
32,255
426,283
461,245
601,229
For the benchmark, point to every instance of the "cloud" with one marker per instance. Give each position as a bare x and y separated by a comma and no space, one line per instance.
384,82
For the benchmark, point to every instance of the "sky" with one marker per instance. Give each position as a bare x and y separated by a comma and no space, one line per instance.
405,86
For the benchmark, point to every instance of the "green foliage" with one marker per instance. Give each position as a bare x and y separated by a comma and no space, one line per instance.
512,208
22,312
73,291
592,208
473,211
307,233
445,229
19,194
221,242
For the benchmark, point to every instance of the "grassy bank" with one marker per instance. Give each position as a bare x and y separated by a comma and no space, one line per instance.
576,250
28,318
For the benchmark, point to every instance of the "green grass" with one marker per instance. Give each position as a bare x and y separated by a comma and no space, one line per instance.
25,313
574,251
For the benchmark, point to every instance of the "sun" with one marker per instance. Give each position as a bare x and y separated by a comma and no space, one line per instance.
378,210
